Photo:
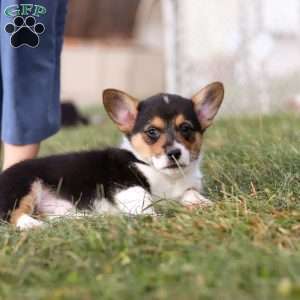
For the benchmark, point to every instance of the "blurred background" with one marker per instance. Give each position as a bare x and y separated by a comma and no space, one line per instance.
150,46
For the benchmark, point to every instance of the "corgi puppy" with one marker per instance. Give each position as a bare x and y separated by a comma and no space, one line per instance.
159,158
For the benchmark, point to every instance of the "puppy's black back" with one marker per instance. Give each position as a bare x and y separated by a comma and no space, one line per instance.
79,177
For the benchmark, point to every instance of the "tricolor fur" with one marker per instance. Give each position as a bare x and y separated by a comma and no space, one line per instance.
160,159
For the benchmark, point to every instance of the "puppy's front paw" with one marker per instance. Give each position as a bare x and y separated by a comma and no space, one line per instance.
135,201
191,199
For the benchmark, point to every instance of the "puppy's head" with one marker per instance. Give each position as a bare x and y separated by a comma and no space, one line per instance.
165,131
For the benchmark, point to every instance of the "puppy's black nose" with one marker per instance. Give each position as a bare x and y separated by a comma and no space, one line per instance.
174,154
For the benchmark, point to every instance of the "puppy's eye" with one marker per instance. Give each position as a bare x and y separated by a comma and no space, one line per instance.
186,129
153,133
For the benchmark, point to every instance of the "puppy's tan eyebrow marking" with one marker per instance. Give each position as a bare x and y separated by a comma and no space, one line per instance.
158,123
181,119
166,99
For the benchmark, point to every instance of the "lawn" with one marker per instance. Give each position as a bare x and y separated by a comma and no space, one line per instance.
246,247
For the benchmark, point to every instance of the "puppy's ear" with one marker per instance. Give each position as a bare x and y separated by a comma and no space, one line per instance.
207,103
121,108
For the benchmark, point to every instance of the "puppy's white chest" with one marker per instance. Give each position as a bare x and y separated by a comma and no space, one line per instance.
171,187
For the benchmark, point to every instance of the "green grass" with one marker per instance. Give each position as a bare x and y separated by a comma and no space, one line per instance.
246,247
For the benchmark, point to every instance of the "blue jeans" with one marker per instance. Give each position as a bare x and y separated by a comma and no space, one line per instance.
30,47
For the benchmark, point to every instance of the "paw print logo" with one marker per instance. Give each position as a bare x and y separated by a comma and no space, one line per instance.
25,32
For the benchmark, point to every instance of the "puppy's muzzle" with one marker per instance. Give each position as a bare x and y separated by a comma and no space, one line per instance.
173,154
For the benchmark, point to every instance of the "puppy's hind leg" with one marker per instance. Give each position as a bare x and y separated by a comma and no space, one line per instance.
27,222
21,216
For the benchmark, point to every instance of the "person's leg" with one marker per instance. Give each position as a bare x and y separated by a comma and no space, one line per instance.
30,71
1,90
16,153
